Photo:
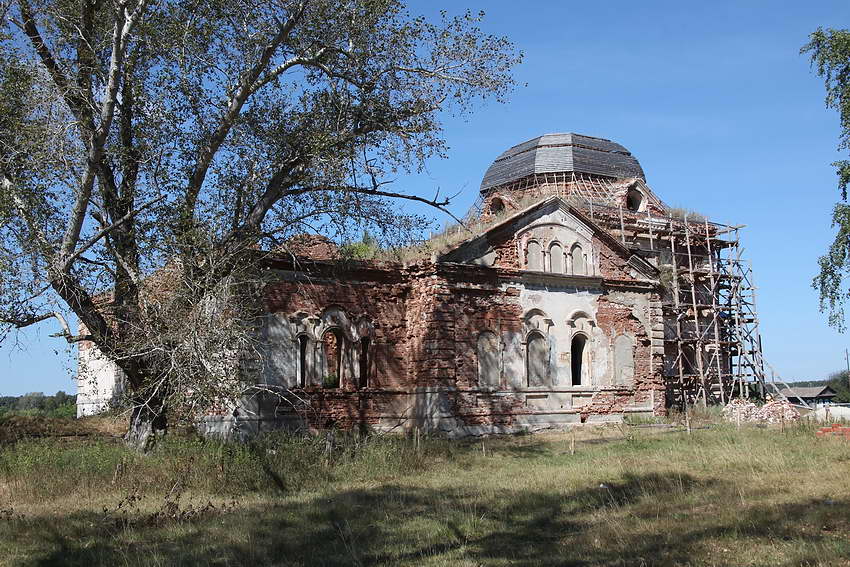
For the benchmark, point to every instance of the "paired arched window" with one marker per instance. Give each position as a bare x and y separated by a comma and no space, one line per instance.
534,256
489,360
556,258
537,360
578,261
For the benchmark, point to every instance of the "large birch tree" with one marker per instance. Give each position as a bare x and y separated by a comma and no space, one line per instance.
150,144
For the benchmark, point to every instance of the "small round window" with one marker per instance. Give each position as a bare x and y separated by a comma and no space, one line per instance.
497,206
634,200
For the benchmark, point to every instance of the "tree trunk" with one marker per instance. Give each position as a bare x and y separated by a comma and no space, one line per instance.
148,423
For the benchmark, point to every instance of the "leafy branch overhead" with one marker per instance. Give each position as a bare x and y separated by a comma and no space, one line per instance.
829,50
140,138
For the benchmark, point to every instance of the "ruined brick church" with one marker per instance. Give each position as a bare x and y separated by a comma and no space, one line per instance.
564,305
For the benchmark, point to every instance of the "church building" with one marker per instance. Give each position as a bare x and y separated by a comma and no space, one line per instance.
579,296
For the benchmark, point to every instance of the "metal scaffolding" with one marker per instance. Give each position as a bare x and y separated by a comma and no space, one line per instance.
712,345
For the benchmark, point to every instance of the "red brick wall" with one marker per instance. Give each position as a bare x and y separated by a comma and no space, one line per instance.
427,319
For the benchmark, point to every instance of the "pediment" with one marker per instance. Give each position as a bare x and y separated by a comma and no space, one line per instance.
549,221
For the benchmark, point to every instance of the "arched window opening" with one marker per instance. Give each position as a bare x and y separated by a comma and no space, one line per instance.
497,206
624,360
489,367
534,256
363,381
537,360
577,348
579,265
332,344
556,259
634,199
302,360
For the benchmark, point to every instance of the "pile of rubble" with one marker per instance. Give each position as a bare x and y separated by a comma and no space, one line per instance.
778,411
740,410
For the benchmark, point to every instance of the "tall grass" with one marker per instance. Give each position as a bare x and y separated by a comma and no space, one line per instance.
42,469
624,496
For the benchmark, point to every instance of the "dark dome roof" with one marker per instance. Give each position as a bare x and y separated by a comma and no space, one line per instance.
562,153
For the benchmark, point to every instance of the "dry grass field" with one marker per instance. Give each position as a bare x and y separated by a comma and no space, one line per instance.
625,495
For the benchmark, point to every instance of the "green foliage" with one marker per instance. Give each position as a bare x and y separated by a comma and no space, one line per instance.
367,248
36,404
838,381
330,381
829,50
179,138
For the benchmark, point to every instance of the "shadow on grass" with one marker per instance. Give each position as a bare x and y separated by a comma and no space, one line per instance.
393,525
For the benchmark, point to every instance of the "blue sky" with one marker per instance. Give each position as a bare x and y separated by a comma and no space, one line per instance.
713,98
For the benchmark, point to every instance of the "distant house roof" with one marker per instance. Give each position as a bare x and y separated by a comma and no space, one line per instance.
562,153
810,392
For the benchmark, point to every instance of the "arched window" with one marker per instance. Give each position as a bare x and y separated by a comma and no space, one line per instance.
577,356
497,206
556,258
302,360
332,344
537,360
579,265
363,379
624,360
489,367
534,256
634,199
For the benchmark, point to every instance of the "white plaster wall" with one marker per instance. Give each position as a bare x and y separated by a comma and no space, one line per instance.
559,305
99,382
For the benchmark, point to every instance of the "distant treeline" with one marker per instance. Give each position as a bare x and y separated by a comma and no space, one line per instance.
808,383
59,404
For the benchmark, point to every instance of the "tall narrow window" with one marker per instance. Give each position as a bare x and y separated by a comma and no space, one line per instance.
364,363
577,358
489,371
537,360
302,360
332,344
579,265
534,256
556,259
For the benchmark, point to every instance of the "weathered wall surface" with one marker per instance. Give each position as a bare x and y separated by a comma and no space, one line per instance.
475,343
99,381
425,325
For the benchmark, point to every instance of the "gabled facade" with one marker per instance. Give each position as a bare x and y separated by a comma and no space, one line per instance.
551,313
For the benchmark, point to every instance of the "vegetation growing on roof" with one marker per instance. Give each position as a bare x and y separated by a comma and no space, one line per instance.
682,213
